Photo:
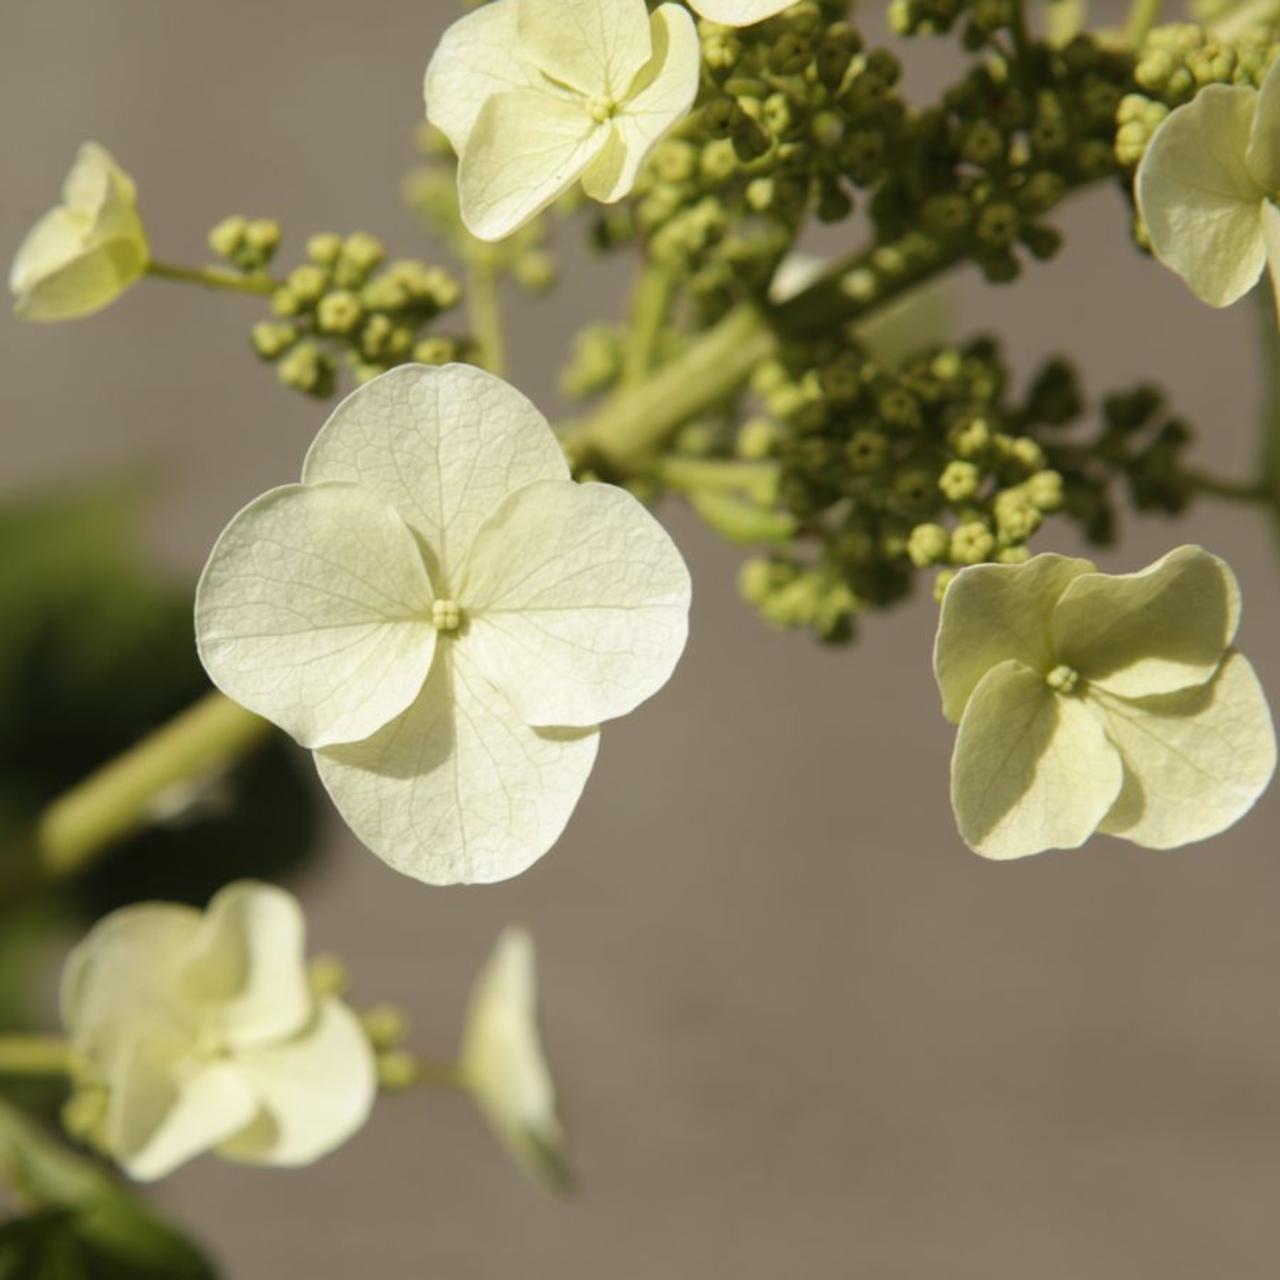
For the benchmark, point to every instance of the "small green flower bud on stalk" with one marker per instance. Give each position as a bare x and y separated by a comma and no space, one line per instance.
271,340
867,451
308,283
327,975
960,481
757,439
226,238
339,313
397,1070
324,248
262,238
929,544
941,582
385,1025
972,543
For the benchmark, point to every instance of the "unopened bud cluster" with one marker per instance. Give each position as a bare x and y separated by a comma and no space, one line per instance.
342,305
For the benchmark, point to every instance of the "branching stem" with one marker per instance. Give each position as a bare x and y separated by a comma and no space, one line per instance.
214,278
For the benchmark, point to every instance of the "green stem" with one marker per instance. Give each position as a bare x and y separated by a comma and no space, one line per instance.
214,278
1269,452
484,307
34,1055
650,305
1229,490
1142,17
757,480
111,803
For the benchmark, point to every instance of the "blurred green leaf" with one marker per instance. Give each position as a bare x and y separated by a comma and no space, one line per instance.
107,1239
96,650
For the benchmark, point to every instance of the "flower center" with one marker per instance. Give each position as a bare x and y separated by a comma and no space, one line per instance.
601,109
1063,679
445,615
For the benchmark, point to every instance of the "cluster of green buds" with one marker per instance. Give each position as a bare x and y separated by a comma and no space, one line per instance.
792,116
343,305
930,465
1179,59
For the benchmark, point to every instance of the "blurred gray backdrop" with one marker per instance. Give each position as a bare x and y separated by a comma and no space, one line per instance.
799,1029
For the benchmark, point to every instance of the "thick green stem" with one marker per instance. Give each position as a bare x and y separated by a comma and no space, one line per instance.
484,309
213,278
118,798
33,1055
756,480
1228,490
650,305
1142,17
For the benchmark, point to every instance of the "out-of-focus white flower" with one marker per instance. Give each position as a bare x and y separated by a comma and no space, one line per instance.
204,1032
537,94
1207,185
86,251
502,1064
1091,702
444,616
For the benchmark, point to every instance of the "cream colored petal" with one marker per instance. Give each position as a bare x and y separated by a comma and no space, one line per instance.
1195,761
478,56
1195,193
94,180
459,790
1032,770
124,973
315,1091
527,148
740,13
167,1106
576,601
595,46
503,1064
1271,238
1262,155
248,970
443,445
992,613
661,95
1157,631
314,611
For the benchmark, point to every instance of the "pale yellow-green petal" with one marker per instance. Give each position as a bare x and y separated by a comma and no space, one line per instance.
740,13
478,56
314,611
594,46
444,446
248,974
459,790
1156,631
502,1061
527,148
166,1105
1032,770
314,1091
84,253
994,613
1263,153
577,602
1195,761
660,96
1201,205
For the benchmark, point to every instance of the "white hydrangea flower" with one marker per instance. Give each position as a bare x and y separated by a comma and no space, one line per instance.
739,13
444,617
537,94
86,251
1207,186
502,1064
1091,702
206,1035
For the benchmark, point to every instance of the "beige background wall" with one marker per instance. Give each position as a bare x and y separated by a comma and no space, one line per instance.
800,1031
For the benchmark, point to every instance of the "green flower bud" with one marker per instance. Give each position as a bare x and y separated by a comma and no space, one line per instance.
867,451
983,144
914,487
324,248
675,160
960,481
397,1070
339,312
757,438
972,543
436,350
946,213
385,1025
307,369
970,437
1045,490
284,302
928,544
361,254
756,580
271,340
327,976
998,224
941,582
226,238
1017,518
262,236
308,283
